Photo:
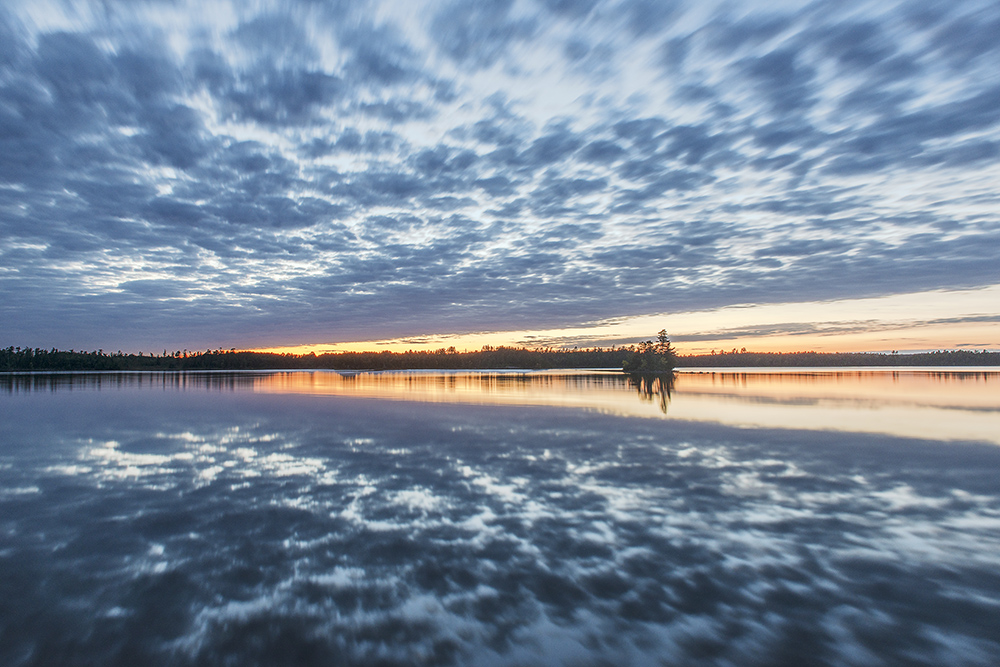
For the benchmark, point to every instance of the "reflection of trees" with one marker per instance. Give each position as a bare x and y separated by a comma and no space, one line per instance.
13,383
652,386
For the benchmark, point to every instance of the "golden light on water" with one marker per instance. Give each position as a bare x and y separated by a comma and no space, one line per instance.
939,404
942,405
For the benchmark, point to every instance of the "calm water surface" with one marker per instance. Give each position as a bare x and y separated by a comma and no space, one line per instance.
821,517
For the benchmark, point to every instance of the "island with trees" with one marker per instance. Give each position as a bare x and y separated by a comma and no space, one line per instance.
652,357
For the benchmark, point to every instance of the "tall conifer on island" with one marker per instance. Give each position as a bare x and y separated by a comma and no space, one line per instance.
650,357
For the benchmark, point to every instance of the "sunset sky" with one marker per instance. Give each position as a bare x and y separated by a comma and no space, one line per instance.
395,175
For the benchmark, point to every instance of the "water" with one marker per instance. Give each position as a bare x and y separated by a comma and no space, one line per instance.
311,518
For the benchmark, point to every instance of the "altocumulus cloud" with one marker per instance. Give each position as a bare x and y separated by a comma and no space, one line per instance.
211,174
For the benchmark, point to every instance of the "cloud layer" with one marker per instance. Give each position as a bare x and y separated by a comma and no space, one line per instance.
319,172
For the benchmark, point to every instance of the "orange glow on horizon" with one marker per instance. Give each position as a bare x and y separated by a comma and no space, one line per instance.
968,319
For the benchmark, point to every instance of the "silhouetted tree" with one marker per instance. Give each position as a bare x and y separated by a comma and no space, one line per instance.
650,357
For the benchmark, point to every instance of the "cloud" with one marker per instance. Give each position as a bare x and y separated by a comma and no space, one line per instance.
412,170
478,33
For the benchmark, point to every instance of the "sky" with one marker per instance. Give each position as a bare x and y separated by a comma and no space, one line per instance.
404,175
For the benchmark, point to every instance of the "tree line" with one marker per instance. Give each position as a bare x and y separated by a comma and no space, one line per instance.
28,359
648,356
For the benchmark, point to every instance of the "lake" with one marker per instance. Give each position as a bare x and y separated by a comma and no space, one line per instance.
726,517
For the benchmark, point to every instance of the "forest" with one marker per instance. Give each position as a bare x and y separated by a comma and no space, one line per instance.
634,357
27,359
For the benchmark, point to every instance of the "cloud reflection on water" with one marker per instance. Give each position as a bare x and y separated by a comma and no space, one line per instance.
198,527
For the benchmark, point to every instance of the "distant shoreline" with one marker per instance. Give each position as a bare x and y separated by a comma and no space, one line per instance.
839,359
36,359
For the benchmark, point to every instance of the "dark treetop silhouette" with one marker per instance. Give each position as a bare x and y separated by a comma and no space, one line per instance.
648,356
652,357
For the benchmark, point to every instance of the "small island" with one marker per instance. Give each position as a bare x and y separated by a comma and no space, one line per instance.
652,357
